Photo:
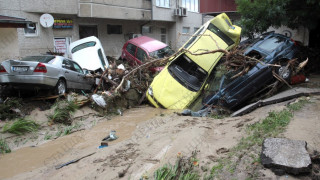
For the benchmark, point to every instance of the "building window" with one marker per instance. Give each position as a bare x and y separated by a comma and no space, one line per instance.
31,30
163,33
195,29
163,3
185,30
114,29
191,5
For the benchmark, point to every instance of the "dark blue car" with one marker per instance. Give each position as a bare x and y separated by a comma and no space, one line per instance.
271,48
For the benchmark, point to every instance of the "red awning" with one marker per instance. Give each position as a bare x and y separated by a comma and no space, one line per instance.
12,22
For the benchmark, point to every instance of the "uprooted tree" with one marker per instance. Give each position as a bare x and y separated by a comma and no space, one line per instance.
258,15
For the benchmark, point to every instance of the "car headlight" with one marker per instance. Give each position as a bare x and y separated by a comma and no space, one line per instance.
150,91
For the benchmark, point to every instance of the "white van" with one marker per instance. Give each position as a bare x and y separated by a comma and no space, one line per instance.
89,54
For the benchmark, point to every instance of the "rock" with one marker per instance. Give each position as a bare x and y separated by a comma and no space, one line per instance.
285,155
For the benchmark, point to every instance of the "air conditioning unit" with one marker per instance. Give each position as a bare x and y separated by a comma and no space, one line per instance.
131,36
183,11
177,12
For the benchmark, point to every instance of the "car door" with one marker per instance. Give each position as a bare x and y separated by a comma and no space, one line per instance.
70,73
131,49
82,82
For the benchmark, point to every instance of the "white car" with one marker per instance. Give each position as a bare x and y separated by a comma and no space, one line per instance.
89,54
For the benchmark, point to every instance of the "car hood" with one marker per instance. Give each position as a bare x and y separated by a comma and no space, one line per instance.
170,93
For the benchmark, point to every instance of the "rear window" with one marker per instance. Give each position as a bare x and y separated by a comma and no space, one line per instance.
219,33
82,46
271,44
43,59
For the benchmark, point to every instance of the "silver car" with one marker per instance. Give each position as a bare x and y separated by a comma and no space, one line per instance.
47,71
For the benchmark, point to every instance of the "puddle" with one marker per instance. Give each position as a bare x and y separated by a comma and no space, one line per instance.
54,152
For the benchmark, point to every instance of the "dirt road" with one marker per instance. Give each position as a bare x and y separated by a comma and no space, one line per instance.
149,138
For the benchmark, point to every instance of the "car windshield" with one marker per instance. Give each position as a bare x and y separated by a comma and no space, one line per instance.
271,44
43,59
82,46
188,73
161,53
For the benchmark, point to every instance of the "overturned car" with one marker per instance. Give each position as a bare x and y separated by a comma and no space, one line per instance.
274,53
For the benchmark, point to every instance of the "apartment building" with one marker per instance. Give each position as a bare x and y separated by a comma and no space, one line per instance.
112,21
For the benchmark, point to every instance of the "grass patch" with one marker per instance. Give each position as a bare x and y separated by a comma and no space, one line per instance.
63,111
47,136
274,124
4,148
184,169
67,130
6,108
21,126
58,134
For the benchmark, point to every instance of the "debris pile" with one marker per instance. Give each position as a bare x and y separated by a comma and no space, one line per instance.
121,85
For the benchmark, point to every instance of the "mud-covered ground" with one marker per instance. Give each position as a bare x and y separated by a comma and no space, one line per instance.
148,139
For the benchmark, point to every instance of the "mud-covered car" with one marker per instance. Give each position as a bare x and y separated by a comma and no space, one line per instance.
185,76
44,72
137,50
272,49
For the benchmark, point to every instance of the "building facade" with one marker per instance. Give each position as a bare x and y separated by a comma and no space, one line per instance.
214,7
113,22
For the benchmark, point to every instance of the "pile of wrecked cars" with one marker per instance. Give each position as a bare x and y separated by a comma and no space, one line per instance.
197,71
194,73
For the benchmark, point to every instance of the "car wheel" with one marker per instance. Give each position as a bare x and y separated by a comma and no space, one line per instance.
61,87
284,72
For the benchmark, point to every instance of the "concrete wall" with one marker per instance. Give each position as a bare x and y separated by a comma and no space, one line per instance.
193,20
120,9
300,34
163,13
15,7
8,43
131,16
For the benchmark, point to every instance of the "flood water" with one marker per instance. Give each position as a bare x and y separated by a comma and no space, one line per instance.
54,152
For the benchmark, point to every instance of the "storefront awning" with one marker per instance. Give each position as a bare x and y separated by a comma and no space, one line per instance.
12,22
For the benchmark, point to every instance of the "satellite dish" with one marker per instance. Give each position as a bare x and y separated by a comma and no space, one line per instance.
46,20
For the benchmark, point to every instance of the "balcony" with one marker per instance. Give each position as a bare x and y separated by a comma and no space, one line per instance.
120,9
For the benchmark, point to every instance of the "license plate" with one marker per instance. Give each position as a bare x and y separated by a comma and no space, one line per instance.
19,68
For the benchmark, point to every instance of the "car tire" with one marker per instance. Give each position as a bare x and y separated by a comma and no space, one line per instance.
61,87
284,72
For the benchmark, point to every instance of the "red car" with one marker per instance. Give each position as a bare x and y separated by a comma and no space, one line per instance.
142,48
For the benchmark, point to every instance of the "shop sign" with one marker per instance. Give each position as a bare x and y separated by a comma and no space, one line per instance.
63,24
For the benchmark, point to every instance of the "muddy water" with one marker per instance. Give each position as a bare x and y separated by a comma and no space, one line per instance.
69,147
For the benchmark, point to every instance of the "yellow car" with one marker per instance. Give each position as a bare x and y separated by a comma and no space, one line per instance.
184,77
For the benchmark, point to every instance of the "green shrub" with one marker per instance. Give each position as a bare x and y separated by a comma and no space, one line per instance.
21,126
4,148
63,112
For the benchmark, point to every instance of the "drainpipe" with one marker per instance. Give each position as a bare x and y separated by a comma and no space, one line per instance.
152,10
